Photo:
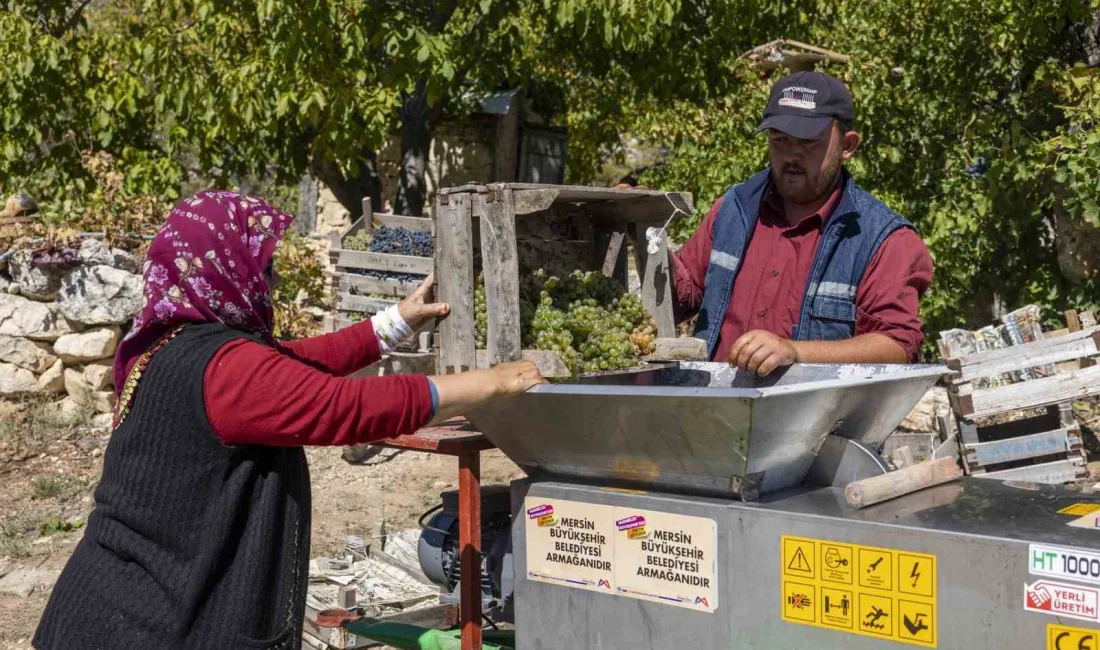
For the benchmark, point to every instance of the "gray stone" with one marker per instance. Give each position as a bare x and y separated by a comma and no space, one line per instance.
25,353
16,381
102,401
92,345
924,414
100,295
23,582
94,252
5,283
34,282
100,375
31,319
53,380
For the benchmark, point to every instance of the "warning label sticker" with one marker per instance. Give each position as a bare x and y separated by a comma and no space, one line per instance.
1069,563
1079,509
877,592
1060,599
1064,637
648,555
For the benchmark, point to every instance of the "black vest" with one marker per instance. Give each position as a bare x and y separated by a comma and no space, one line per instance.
192,544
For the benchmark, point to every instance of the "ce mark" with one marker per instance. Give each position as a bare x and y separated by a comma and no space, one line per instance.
1083,642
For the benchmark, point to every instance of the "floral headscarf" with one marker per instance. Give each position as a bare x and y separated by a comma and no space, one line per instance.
206,265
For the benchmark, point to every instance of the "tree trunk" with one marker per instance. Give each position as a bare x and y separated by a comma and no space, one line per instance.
417,124
350,190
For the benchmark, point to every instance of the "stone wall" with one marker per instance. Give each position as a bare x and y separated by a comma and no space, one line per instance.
59,327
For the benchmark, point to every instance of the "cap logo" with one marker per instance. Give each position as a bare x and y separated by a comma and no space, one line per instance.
799,97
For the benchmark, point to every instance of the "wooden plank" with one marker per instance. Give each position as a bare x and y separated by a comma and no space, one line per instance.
454,275
384,262
1088,319
1073,323
347,281
549,363
422,224
611,257
869,491
656,280
569,193
1034,394
1072,346
349,302
681,349
1046,443
644,208
530,201
500,266
1057,472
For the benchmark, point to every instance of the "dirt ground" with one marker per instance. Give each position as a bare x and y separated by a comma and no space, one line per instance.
47,478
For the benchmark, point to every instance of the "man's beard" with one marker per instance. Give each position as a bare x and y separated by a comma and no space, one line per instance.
795,184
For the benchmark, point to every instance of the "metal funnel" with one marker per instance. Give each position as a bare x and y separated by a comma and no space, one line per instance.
701,428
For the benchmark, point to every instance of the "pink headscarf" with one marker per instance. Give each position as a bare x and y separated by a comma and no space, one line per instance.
206,265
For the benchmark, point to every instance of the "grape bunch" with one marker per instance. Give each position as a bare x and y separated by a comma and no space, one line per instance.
586,318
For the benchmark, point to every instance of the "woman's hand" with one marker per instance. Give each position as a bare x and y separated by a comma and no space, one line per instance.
461,393
515,378
418,307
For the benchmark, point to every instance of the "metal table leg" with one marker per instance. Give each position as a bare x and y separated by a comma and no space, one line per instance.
469,539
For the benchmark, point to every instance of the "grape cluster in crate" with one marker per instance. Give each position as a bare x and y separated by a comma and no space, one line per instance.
590,321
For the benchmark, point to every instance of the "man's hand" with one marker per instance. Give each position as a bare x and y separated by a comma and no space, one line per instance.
418,306
761,352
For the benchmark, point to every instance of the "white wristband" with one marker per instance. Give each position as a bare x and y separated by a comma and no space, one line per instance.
390,328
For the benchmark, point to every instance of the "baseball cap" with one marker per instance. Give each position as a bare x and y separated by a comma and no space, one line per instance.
804,104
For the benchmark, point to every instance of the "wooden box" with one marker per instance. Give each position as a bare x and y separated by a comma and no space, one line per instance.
348,286
508,229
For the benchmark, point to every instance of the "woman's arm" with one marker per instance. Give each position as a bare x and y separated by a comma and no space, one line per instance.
255,395
354,348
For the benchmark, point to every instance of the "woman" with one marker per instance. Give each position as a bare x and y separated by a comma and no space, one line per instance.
200,535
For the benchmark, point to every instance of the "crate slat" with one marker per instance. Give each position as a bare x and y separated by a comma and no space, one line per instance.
498,243
422,224
1047,391
455,272
656,279
1056,349
349,302
1059,471
382,262
348,281
1048,443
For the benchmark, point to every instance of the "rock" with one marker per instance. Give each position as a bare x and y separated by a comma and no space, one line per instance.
94,252
16,381
5,283
923,415
30,319
23,582
104,421
71,410
27,354
34,282
100,375
92,345
103,401
100,295
53,380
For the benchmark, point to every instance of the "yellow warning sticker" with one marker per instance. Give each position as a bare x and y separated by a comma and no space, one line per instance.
1080,509
876,592
798,557
1063,637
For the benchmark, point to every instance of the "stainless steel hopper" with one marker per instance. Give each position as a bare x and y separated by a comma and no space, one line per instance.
701,428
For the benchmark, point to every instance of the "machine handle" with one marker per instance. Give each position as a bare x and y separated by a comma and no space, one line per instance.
877,489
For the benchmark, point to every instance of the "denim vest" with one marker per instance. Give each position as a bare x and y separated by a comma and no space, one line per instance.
849,239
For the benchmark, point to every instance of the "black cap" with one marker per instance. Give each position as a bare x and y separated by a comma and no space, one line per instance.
804,104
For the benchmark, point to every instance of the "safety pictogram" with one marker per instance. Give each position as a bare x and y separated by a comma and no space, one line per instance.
837,563
798,557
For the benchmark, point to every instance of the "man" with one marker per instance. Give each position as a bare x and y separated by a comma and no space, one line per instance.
798,264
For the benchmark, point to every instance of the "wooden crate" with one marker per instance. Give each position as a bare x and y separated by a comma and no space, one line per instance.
503,228
1044,447
345,281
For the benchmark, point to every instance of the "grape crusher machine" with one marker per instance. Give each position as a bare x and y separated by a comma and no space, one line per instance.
692,506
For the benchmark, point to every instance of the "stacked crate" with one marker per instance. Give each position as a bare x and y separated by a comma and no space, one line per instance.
505,230
357,295
1012,395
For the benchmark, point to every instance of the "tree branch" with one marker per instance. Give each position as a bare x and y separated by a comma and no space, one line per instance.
73,18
